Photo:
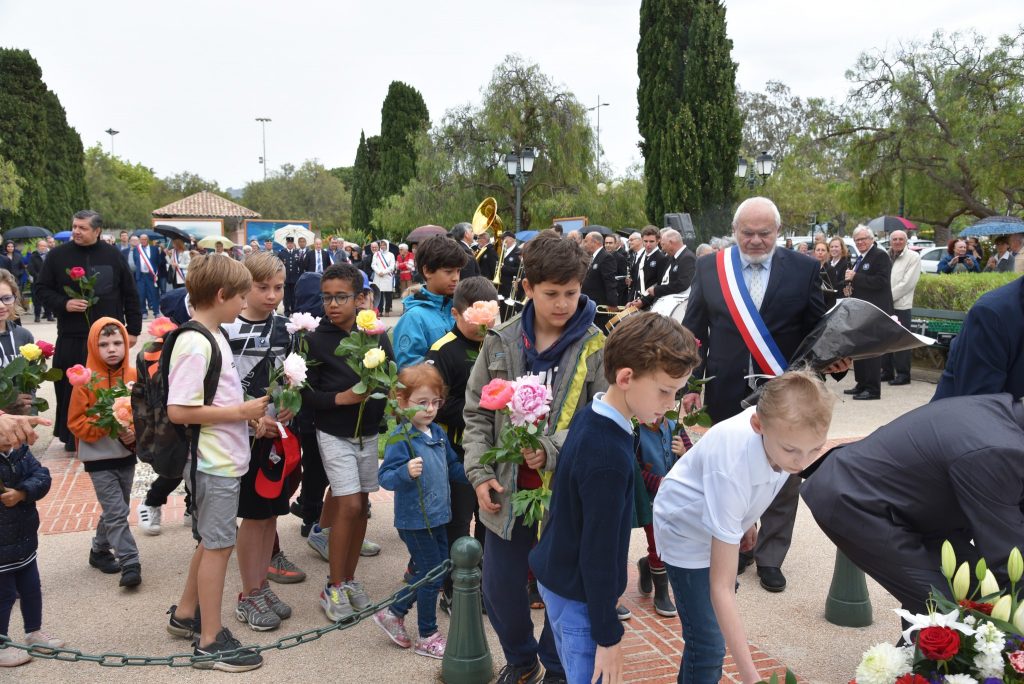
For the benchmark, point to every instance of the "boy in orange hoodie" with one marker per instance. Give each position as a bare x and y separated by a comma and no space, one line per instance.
109,462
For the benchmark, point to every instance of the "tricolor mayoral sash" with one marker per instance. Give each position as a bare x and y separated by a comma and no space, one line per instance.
745,315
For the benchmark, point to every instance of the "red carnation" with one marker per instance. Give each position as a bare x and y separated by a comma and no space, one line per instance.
911,678
46,348
77,273
985,608
938,643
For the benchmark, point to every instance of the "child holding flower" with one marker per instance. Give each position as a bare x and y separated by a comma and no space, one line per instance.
12,336
109,460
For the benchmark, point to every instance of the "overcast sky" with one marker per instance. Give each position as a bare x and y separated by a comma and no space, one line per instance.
183,81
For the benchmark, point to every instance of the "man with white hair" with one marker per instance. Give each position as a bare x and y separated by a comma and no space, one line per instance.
751,305
678,273
867,278
906,271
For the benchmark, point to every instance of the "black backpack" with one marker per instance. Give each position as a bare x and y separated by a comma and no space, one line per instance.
165,445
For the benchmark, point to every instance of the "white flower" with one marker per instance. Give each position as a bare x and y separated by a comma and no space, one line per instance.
970,620
302,321
960,679
989,639
294,368
989,665
933,620
882,664
374,357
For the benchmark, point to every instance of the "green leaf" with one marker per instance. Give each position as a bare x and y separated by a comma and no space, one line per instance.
704,420
531,429
53,375
378,395
40,405
359,387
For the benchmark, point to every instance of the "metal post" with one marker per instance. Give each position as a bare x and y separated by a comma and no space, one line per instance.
263,122
467,658
111,132
848,603
598,108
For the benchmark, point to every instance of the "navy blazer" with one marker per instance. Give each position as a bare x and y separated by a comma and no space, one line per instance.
987,357
599,283
156,258
792,306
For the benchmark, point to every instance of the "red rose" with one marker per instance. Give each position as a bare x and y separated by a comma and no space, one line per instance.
911,678
938,643
985,608
77,273
46,348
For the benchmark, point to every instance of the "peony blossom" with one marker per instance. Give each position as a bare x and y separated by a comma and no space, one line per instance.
496,394
30,351
78,375
302,321
366,321
76,273
46,348
481,313
1017,661
531,400
122,409
374,357
882,664
161,326
294,368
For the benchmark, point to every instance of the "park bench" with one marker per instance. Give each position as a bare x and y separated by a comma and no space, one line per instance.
941,324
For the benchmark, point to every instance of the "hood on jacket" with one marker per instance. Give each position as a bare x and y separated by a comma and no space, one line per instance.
575,328
124,372
307,295
426,298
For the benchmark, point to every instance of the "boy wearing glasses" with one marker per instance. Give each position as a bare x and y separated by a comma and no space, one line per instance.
351,467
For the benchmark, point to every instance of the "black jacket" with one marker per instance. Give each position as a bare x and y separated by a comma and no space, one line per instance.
292,265
471,268
454,355
35,264
331,375
115,287
872,280
19,525
621,271
600,284
654,266
309,263
837,276
487,262
510,263
680,272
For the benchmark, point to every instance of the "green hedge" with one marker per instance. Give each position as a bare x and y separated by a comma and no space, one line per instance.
956,291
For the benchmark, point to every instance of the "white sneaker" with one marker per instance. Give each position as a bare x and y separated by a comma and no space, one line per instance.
12,657
43,641
149,519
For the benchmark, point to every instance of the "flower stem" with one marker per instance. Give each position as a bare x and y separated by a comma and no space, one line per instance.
419,485
359,423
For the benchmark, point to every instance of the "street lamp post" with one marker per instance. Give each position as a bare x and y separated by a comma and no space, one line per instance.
518,167
598,109
111,132
763,166
263,160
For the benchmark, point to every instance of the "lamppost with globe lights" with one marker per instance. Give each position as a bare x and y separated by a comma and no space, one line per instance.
518,167
111,132
763,166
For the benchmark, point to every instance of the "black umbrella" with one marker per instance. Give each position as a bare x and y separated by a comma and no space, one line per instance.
603,230
423,232
173,233
26,233
151,234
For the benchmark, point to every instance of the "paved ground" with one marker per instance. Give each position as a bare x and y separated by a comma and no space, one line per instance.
87,608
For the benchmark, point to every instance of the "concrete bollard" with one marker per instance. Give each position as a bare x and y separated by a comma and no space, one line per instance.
848,604
467,657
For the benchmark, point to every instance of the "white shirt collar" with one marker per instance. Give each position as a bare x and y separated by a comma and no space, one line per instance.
681,250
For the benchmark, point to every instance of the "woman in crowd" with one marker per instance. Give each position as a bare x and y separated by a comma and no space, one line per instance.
827,288
406,267
958,260
838,262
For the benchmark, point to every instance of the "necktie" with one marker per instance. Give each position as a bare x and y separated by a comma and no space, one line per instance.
319,263
756,284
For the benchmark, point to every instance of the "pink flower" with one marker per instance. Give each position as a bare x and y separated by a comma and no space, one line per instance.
378,329
1017,661
531,400
496,394
161,326
78,375
481,313
76,273
294,368
302,321
46,348
122,409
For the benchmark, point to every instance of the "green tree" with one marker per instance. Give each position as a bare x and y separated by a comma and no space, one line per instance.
36,138
366,195
122,192
688,119
403,116
307,192
10,186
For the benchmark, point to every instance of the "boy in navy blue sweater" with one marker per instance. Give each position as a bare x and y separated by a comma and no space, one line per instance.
580,560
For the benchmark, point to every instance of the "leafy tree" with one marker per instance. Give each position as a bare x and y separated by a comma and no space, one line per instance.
402,117
36,138
365,186
687,116
185,183
10,186
124,193
345,174
308,192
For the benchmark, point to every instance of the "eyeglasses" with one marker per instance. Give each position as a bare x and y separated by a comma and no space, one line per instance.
339,299
7,300
432,404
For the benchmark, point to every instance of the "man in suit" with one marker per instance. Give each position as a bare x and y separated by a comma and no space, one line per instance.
317,259
147,260
888,502
292,271
462,233
867,278
599,283
511,260
486,256
650,264
613,244
338,255
906,271
35,265
786,291
677,274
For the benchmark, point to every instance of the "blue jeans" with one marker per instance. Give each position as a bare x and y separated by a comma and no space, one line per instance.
570,623
428,550
22,583
705,645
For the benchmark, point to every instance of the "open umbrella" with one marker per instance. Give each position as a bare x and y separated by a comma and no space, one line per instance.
294,232
26,233
526,235
211,241
603,230
63,235
423,232
172,233
994,225
887,224
151,234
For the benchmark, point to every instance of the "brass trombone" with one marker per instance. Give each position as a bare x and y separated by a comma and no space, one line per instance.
486,218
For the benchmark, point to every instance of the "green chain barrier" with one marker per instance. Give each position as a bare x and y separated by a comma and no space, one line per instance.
71,655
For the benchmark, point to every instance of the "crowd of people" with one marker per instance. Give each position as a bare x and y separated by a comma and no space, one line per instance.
605,450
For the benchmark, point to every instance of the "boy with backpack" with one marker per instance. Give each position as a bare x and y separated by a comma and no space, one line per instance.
219,448
109,462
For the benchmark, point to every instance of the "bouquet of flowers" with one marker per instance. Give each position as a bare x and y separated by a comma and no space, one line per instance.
363,354
527,401
978,638
112,411
86,288
26,372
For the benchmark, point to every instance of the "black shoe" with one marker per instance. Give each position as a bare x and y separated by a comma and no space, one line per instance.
131,575
105,562
295,509
745,560
241,661
183,627
663,605
852,390
37,319
623,613
772,579
305,529
536,600
899,380
861,396
521,674
51,319
70,445
552,678
645,586
885,377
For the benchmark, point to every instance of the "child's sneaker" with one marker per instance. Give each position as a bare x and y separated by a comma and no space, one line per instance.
186,519
369,549
131,575
356,595
42,641
280,608
149,519
105,562
183,627
13,657
319,539
432,646
334,601
242,661
393,626
283,571
253,609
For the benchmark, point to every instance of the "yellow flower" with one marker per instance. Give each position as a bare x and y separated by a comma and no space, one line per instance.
30,351
366,320
374,357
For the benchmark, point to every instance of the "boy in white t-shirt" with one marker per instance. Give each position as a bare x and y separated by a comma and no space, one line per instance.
216,289
708,505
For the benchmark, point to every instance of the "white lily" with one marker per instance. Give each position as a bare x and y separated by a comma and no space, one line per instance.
989,585
933,620
1001,609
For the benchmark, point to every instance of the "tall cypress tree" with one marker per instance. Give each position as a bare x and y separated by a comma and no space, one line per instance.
687,116
366,194
36,137
403,115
